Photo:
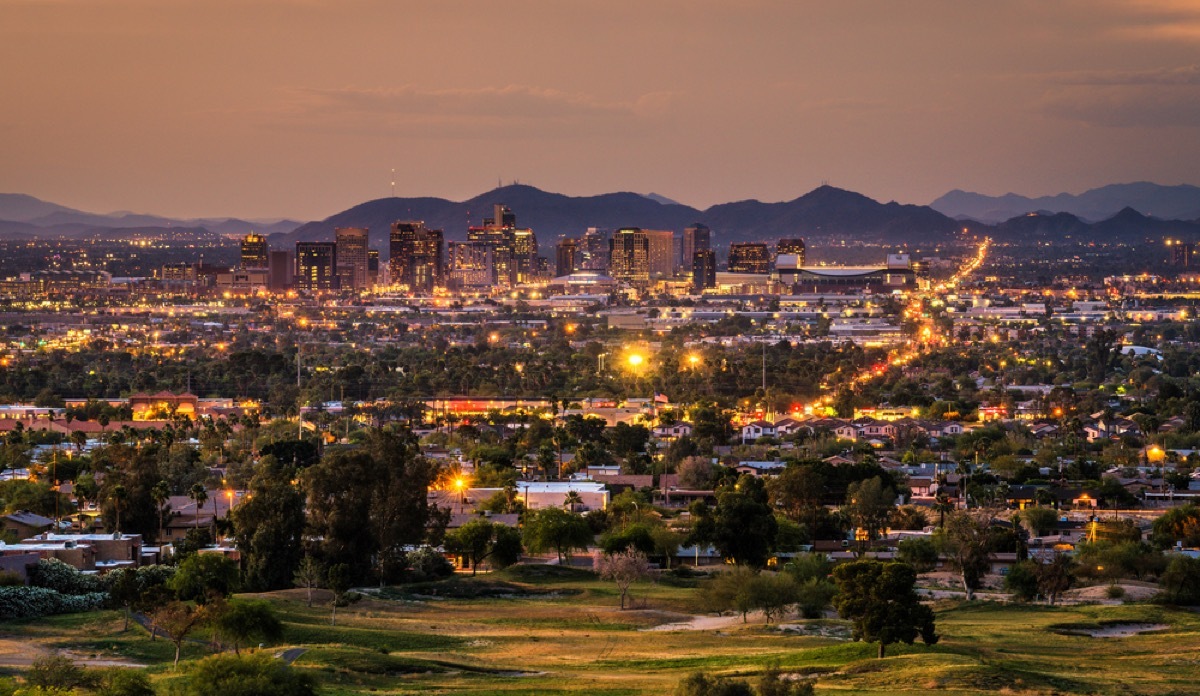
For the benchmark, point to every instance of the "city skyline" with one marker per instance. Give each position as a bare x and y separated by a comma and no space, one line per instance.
237,114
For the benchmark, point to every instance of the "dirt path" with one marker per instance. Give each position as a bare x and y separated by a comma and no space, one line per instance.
22,653
707,622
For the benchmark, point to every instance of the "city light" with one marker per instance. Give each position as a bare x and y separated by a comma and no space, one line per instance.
635,360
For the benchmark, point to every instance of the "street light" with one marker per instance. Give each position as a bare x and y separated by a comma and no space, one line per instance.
635,360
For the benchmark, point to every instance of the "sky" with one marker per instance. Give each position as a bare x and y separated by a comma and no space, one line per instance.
301,108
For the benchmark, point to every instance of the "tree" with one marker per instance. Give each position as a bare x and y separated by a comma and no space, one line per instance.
1181,524
268,526
1181,581
964,540
921,554
1055,576
337,579
243,620
796,491
908,517
199,495
742,526
554,528
481,539
1022,580
178,619
205,575
160,493
1038,521
368,503
56,672
881,601
696,473
623,567
246,675
869,504
773,593
729,591
572,500
308,575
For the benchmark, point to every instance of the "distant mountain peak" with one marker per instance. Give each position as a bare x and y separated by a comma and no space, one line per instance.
660,199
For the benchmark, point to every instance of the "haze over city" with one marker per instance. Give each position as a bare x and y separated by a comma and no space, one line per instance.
302,108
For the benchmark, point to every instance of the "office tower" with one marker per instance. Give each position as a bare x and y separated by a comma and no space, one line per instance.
695,238
1183,254
514,250
629,255
593,250
566,256
502,217
352,244
372,267
254,251
470,265
791,246
316,266
749,257
661,253
704,270
280,271
416,256
525,256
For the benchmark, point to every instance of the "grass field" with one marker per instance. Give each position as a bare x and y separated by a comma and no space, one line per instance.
536,630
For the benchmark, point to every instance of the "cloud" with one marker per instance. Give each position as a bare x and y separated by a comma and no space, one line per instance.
1187,75
512,110
1137,106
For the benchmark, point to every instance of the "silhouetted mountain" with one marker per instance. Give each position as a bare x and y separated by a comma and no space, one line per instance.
826,211
19,207
1163,202
661,199
829,212
26,217
1128,226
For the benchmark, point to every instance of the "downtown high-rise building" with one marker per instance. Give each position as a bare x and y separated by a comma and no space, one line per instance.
566,256
352,246
514,249
696,237
793,246
594,250
629,255
661,257
254,251
469,265
704,270
749,257
316,266
280,270
415,259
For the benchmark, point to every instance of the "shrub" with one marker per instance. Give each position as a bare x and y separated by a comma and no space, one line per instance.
53,574
56,672
248,675
1114,592
32,602
427,564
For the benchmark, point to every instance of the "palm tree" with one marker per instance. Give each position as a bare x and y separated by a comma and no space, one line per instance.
942,505
200,495
117,496
160,494
572,500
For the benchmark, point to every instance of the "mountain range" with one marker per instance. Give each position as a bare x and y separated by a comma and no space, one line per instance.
26,217
826,214
1165,202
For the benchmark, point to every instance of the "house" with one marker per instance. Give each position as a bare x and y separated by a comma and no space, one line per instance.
790,426
674,431
756,429
759,469
24,524
846,431
108,551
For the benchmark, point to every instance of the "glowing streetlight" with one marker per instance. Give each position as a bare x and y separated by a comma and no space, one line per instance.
693,360
635,360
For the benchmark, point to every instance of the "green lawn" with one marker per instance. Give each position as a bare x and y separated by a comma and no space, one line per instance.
559,632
